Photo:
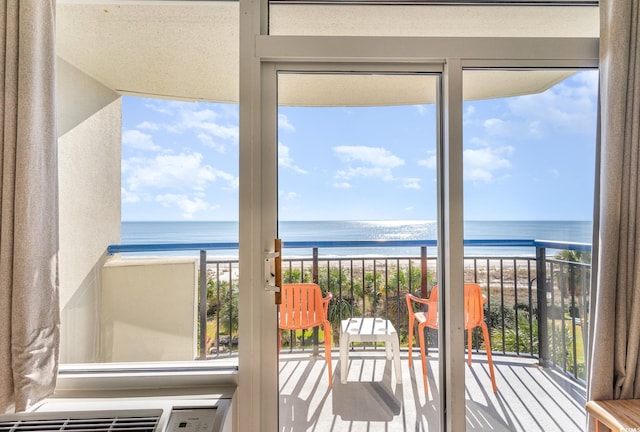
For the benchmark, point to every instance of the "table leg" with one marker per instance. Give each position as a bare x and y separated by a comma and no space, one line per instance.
344,357
396,360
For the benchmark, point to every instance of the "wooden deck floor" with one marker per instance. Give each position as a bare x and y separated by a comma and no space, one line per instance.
530,398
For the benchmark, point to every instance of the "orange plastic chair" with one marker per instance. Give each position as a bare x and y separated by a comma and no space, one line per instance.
303,307
473,317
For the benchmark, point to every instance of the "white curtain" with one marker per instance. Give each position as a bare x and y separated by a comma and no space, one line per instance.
29,315
614,369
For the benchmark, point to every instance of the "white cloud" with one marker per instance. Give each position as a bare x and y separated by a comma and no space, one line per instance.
376,156
366,161
197,116
411,183
469,111
431,162
190,116
233,182
209,142
173,172
224,132
188,206
148,126
179,181
360,172
468,117
285,160
363,161
283,123
496,126
207,120
409,209
139,140
288,196
182,181
129,197
482,165
569,106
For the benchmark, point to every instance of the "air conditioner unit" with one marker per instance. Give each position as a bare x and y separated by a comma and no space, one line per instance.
149,414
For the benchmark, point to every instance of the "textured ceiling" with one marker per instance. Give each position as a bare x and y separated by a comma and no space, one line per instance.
171,50
441,21
189,50
368,90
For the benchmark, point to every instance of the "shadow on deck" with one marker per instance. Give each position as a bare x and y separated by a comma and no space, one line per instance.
530,398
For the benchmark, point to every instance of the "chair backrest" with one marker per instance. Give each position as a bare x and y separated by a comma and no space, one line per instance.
473,306
432,312
301,306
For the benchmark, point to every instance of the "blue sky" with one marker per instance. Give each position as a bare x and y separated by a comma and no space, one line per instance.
525,158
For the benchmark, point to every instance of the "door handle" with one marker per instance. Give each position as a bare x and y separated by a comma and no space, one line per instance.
273,270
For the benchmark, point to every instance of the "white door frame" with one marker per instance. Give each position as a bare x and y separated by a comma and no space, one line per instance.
257,402
453,370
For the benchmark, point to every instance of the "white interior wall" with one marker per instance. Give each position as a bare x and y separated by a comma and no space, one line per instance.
79,96
89,160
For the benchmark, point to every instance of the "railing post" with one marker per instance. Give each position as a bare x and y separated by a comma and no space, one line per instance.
316,351
424,286
203,304
541,282
315,265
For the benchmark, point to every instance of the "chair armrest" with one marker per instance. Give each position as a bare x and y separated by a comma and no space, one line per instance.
325,303
420,300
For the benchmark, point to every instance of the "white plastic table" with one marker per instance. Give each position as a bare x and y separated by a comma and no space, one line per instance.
369,330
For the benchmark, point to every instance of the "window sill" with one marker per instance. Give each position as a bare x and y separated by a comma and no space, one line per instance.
170,378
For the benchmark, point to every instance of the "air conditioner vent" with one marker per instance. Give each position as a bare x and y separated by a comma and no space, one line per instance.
102,424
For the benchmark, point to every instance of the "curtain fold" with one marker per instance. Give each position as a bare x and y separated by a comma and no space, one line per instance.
614,368
29,313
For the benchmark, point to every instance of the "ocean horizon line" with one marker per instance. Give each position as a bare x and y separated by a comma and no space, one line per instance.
156,232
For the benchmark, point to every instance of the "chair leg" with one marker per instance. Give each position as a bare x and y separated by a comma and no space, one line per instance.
487,342
410,340
424,358
469,343
327,351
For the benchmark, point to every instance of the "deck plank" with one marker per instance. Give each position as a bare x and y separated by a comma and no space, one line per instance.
530,398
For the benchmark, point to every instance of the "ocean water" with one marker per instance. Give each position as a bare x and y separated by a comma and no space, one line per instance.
215,232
